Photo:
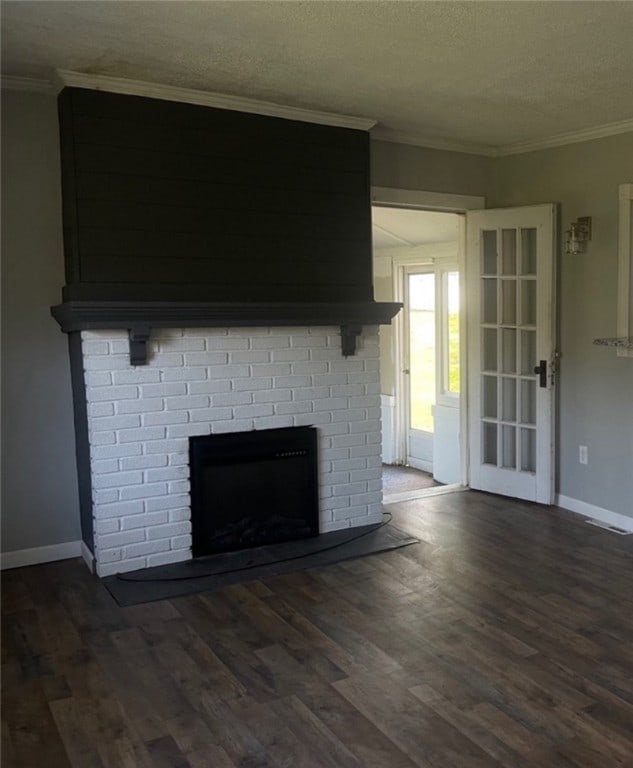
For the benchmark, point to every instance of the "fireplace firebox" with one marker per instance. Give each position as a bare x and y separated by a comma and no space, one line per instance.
253,488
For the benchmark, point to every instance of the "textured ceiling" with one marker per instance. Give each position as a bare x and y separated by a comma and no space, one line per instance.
477,73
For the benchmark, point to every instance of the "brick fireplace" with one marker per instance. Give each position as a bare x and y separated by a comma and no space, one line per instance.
204,381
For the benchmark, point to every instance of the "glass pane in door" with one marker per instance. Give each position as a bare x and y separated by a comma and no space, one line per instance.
421,295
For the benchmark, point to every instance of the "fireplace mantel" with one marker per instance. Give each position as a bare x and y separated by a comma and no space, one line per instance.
140,317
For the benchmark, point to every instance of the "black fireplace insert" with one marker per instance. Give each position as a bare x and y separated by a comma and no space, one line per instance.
253,488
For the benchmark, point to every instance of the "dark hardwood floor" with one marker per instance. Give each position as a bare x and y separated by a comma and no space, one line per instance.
502,639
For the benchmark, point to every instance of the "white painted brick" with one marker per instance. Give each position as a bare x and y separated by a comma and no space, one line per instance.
293,381
206,358
102,438
136,376
310,341
311,393
188,430
146,548
273,396
335,428
374,461
365,401
105,496
273,422
311,419
142,405
105,466
143,462
107,363
325,492
163,418
350,513
175,445
250,356
232,398
289,355
178,486
168,360
180,344
116,480
110,556
365,426
372,365
374,413
120,539
108,569
326,353
367,474
145,491
181,542
164,389
166,473
364,498
173,556
207,333
111,525
376,508
108,423
334,454
309,368
114,451
330,404
374,437
100,409
168,502
140,435
168,530
364,450
374,485
211,414
336,502
167,333
226,342
269,342
176,515
97,378
329,379
345,390
372,389
252,384
187,402
365,378
95,348
294,407
227,371
347,489
335,478
111,394
252,411
119,347
208,387
271,369
349,415
233,425
177,459
144,520
184,374
350,464
347,366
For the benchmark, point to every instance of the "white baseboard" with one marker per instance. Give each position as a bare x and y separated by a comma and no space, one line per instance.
595,513
89,558
48,554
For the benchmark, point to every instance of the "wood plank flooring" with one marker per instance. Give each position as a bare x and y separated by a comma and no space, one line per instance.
504,638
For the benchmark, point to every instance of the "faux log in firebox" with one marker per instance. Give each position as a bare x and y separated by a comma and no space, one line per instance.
173,208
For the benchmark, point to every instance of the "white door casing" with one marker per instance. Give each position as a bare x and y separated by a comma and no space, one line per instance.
511,339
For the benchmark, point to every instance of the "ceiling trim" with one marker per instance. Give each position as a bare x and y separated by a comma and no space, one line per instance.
561,139
14,83
400,137
122,85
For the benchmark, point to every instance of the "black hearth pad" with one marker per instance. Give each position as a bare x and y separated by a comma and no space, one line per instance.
208,574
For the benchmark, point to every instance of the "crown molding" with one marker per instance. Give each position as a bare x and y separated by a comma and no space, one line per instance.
14,83
561,139
416,140
122,85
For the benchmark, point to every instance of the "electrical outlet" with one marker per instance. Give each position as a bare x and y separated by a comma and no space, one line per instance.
583,457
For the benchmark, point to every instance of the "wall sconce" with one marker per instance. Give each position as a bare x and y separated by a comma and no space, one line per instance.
578,234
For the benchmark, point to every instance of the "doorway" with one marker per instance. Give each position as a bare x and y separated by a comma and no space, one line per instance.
417,261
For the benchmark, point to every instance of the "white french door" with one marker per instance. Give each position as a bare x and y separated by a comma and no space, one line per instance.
511,350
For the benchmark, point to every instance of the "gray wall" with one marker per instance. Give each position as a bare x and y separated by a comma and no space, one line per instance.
39,479
596,386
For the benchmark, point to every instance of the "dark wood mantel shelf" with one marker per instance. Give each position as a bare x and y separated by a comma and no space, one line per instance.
141,316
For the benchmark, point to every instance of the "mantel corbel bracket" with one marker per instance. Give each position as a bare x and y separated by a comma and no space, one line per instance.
139,337
349,333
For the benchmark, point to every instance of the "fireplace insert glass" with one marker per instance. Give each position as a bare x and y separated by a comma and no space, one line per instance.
253,488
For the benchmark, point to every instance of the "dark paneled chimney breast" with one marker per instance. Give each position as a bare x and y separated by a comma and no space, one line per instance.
177,215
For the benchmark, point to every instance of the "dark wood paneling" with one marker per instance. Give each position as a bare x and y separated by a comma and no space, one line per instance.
246,206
